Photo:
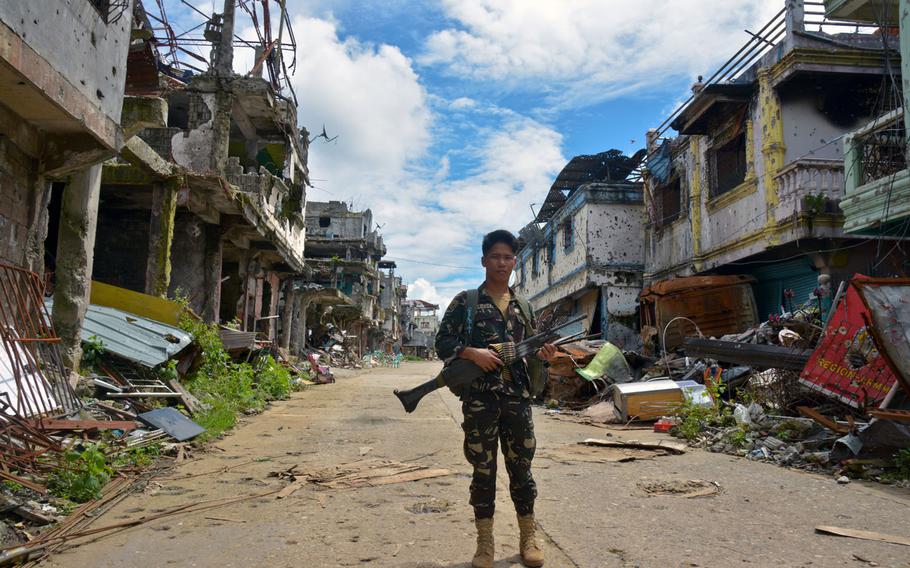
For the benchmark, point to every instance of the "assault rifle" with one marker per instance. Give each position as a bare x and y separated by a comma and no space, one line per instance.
461,373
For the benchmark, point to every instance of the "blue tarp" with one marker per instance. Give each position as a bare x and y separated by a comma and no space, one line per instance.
659,164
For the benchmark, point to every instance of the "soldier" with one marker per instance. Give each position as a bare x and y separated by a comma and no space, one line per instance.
496,407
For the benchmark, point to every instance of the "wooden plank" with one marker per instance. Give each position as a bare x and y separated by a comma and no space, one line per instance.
888,414
125,414
68,425
823,420
864,535
290,489
388,480
669,445
192,404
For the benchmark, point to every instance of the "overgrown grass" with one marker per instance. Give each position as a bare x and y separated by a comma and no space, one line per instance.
229,388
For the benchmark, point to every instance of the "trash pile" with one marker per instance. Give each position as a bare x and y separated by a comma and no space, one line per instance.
825,385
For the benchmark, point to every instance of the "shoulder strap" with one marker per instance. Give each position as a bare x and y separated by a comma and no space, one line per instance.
525,308
470,305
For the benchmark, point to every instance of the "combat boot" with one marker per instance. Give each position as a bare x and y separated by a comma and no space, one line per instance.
531,553
483,558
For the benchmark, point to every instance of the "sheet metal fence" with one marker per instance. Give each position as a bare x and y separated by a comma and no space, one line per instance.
31,362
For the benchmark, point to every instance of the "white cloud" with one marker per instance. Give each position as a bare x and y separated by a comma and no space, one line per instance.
372,98
423,289
590,50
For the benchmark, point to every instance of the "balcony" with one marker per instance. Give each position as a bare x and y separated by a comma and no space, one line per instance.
878,183
866,11
805,186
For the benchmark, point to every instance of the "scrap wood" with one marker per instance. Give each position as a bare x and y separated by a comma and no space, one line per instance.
574,453
290,489
125,414
192,404
47,539
211,472
689,489
823,420
66,425
889,414
369,473
863,535
671,446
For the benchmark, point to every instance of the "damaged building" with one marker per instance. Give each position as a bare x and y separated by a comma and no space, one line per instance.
148,174
754,182
206,201
583,253
420,322
344,249
62,68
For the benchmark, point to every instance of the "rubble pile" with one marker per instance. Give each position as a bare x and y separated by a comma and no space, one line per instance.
814,388
146,389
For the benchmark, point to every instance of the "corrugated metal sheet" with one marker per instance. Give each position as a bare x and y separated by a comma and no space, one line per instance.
717,304
134,338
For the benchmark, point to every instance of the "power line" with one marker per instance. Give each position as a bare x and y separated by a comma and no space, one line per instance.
431,263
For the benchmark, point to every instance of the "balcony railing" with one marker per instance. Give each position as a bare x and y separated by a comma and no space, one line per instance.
816,178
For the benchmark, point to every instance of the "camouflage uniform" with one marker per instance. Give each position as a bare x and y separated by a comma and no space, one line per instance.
495,409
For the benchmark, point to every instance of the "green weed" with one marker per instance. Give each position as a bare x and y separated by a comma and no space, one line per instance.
81,475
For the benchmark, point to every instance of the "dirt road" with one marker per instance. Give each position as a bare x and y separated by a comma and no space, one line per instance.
593,514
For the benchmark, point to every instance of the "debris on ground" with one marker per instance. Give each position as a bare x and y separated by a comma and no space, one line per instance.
823,386
361,473
681,488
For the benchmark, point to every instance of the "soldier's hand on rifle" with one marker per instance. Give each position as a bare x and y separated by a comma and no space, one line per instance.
546,352
486,359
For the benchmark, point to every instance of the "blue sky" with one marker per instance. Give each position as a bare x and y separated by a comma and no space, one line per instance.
454,116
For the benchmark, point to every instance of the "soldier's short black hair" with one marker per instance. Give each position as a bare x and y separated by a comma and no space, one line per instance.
499,236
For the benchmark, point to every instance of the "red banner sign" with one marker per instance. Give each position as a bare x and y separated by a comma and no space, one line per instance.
847,365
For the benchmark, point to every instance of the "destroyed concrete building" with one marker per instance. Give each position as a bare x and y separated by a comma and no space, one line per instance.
754,183
203,182
420,322
206,200
583,253
343,252
391,295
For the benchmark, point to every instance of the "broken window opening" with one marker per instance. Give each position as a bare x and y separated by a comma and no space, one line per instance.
535,263
551,251
325,222
669,200
522,273
728,165
568,236
178,111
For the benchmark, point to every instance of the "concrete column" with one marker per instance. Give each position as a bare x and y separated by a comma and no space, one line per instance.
161,237
212,267
37,231
75,254
795,21
225,57
287,312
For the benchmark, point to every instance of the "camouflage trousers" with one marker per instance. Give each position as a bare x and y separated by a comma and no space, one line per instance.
491,418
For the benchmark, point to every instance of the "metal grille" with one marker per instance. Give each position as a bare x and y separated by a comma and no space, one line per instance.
884,151
31,364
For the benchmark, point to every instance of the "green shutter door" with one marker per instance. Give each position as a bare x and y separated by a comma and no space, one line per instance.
799,275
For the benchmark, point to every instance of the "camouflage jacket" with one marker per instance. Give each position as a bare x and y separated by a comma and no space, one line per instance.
489,327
